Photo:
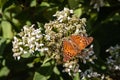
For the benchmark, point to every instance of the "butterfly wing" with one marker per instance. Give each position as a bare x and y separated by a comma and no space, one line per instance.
81,41
68,50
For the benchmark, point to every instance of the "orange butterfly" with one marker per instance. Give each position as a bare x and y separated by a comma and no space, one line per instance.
74,46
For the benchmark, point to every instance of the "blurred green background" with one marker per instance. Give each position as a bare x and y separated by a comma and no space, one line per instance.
103,23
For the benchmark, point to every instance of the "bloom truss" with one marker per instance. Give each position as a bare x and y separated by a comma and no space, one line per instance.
29,40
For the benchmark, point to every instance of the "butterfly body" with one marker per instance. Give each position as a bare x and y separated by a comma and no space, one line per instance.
74,46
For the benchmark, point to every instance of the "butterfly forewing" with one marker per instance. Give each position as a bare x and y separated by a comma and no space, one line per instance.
81,41
89,40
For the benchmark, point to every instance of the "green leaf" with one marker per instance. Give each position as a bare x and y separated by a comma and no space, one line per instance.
33,3
7,29
2,45
73,3
27,55
38,76
4,71
2,2
48,59
76,77
30,65
44,72
78,12
56,71
7,4
45,4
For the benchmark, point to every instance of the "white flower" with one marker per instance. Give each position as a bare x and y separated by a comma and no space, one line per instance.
45,49
41,44
47,37
18,57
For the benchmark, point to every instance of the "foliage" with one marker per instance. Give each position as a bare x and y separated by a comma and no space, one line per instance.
102,23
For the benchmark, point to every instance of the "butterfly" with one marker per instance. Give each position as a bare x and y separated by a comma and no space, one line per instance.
74,46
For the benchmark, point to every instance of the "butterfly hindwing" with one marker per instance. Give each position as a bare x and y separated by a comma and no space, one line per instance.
68,50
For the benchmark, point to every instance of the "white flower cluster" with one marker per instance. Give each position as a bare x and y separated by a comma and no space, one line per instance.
28,40
89,73
63,15
113,61
87,55
97,4
71,67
